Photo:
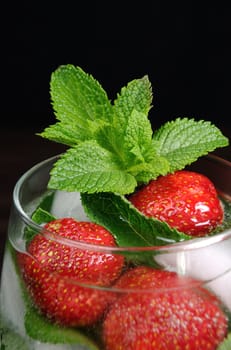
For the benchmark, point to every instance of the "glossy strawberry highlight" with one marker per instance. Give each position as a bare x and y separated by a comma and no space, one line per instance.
186,200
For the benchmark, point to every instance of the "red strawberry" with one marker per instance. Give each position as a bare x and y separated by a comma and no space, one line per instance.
186,200
53,270
169,316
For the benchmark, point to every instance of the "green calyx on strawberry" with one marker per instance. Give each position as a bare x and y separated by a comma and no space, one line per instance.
177,314
55,273
185,200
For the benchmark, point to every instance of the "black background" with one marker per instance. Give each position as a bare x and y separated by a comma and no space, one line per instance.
183,48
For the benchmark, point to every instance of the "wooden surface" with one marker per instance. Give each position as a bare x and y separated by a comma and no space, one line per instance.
21,149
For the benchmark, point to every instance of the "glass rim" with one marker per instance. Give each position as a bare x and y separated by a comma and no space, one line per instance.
187,245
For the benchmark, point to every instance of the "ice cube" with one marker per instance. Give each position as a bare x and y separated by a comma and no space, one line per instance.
11,300
45,346
68,204
209,263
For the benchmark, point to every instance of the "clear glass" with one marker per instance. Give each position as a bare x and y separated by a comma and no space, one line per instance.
112,314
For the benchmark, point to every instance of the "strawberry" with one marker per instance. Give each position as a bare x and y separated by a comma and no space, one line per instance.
164,314
55,272
186,200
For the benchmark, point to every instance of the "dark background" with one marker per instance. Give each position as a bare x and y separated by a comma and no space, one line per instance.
184,48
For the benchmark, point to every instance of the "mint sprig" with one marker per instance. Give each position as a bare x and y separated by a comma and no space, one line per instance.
112,145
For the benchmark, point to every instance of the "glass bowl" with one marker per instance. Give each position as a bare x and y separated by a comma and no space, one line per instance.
175,296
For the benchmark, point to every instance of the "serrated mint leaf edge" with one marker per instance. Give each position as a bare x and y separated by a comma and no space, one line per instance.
90,168
185,146
73,82
137,94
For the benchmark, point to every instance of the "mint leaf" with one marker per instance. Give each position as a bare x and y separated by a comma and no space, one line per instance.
41,329
46,202
226,344
80,104
40,216
89,168
136,95
67,134
138,136
129,227
184,140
